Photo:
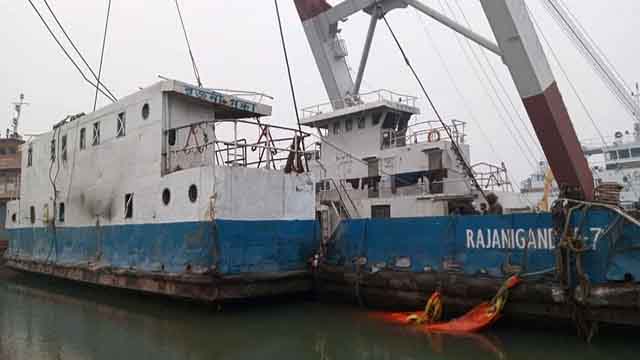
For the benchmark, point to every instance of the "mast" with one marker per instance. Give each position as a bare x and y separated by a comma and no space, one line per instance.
636,125
17,106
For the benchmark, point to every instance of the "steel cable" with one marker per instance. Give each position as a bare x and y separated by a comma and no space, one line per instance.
84,76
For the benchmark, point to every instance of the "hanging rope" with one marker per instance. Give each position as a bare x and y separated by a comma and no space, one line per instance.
104,40
467,169
196,72
293,92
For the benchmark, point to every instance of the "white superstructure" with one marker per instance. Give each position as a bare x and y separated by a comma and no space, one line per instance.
169,154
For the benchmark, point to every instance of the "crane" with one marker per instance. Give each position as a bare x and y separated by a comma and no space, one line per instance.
517,44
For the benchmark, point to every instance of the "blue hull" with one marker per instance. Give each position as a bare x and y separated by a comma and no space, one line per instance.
486,245
226,247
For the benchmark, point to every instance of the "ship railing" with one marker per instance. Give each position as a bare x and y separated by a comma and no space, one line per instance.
353,100
386,191
424,132
492,177
251,96
232,142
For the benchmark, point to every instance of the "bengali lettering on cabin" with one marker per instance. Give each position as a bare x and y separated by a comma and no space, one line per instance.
521,238
219,98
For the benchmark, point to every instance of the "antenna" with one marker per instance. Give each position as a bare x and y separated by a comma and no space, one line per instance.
16,118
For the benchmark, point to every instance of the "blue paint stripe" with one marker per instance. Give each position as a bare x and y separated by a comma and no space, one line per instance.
440,242
233,246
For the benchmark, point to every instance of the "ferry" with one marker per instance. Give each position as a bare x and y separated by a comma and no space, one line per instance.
399,201
159,192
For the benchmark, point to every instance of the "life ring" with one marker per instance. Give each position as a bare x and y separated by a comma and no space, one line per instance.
434,136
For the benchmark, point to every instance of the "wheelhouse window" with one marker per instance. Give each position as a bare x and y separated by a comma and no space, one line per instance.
361,122
83,139
635,152
96,134
121,125
624,154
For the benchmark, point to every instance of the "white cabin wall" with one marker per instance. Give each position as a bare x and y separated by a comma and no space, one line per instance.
409,206
93,182
249,193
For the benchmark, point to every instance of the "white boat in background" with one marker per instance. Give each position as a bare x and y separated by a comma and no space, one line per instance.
617,160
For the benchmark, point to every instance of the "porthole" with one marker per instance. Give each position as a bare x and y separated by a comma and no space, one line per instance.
14,217
145,111
193,193
166,196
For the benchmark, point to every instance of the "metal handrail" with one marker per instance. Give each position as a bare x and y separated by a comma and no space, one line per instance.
351,100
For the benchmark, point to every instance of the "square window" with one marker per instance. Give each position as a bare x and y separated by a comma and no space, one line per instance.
361,122
635,152
380,211
121,124
96,134
83,139
128,206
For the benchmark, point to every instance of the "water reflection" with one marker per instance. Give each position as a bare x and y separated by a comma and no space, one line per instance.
40,320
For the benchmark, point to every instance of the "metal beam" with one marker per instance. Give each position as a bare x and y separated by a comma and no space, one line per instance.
466,32
524,56
365,52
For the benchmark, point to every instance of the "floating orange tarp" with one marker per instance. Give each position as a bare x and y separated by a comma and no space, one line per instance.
475,320
478,318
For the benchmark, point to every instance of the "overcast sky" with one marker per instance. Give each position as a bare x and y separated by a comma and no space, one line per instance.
237,45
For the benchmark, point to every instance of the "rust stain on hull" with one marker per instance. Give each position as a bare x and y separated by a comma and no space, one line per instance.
617,303
199,287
